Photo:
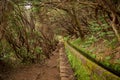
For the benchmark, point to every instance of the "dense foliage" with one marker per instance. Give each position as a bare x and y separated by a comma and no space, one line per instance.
24,35
28,28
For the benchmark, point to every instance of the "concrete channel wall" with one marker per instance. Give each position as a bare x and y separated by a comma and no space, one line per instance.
93,68
66,72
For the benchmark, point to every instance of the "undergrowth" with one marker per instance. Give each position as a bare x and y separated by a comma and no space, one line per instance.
106,60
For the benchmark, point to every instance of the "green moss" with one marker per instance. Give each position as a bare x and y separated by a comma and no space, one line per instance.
80,71
87,70
80,45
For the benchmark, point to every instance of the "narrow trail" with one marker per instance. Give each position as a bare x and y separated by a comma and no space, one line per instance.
48,71
55,68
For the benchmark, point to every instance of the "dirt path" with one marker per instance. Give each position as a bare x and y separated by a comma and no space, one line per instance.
55,68
49,71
